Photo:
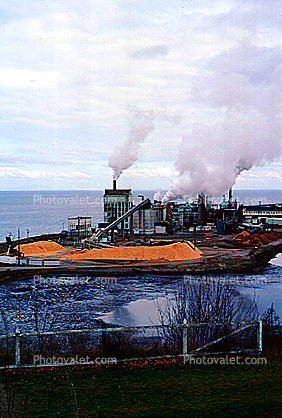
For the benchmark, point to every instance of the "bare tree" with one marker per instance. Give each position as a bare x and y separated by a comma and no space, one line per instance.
209,301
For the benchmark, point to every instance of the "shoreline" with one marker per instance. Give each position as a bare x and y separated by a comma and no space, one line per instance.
237,260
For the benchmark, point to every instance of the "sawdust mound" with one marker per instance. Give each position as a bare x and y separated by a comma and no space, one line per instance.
174,252
40,248
256,238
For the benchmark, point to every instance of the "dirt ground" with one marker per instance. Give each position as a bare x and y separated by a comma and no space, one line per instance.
220,254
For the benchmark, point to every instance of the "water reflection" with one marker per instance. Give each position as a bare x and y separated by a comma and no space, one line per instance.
140,312
130,301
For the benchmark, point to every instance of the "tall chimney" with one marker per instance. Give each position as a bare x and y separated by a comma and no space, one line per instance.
114,184
230,195
201,209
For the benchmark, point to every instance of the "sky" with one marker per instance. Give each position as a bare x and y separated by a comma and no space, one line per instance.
75,76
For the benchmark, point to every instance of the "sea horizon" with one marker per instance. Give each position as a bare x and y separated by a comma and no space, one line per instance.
99,190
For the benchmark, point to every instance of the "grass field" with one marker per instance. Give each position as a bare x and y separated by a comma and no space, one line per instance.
174,390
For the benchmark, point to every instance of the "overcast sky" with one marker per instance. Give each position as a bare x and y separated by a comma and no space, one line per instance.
73,75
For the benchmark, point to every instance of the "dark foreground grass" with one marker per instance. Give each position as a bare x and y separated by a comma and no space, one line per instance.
161,391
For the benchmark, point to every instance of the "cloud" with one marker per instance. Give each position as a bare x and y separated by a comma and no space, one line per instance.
252,61
158,172
17,173
25,78
91,64
263,174
150,52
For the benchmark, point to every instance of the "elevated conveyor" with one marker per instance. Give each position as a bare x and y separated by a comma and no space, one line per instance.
142,205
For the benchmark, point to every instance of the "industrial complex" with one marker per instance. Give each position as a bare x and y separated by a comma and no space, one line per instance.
123,220
176,236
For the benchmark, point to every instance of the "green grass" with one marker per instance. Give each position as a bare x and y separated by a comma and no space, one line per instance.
161,391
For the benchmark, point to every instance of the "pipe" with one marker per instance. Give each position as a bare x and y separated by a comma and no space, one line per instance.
142,199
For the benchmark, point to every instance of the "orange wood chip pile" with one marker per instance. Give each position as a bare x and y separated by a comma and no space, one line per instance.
40,248
256,238
174,252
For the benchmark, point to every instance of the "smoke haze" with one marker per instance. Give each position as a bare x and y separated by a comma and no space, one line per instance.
248,132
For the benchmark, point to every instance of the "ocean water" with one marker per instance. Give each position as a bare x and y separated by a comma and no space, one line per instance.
45,212
42,212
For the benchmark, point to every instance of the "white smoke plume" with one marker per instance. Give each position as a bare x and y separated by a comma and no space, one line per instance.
142,125
158,195
125,155
248,132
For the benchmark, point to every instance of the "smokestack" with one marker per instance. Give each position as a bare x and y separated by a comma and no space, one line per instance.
201,209
114,184
230,195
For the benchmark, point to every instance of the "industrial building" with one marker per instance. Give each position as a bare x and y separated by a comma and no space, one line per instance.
116,203
262,214
79,227
144,221
173,217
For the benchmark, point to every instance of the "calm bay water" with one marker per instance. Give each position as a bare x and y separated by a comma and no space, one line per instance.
126,301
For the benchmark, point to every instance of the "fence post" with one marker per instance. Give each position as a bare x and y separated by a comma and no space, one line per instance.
17,347
185,337
104,340
259,334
